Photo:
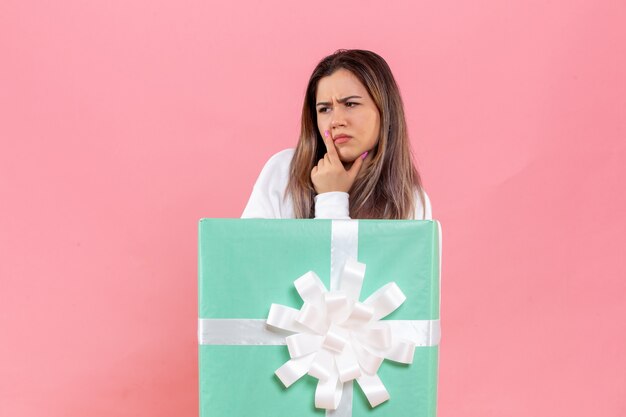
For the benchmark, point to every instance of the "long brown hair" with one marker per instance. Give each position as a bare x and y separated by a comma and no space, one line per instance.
385,188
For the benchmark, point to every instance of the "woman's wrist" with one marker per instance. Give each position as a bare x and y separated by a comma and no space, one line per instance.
332,205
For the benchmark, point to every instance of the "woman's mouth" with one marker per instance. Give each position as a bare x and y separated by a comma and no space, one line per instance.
339,139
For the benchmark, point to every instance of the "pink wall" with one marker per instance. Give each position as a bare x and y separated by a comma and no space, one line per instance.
124,122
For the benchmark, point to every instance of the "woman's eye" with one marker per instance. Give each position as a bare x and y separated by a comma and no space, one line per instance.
323,109
352,104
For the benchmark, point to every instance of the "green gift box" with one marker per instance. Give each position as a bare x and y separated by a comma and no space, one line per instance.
246,265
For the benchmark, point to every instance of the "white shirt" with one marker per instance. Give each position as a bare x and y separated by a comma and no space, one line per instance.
268,200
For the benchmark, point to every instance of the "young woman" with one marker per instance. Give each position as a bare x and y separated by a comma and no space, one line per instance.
353,158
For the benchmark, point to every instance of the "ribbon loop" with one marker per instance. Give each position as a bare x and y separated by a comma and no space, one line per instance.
283,317
302,344
310,288
337,306
385,300
322,366
402,351
378,336
313,317
335,339
347,365
328,393
373,389
369,361
351,279
361,314
294,369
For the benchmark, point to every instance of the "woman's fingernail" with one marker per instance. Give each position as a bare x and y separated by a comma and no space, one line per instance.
364,154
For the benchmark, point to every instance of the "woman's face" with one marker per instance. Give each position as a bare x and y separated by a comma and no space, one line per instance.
346,110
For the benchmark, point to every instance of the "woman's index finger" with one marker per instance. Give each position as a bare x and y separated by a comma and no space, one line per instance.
330,146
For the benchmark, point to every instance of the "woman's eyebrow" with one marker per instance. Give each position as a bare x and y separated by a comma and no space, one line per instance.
341,100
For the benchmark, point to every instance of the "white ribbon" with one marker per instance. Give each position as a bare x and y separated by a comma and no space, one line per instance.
334,337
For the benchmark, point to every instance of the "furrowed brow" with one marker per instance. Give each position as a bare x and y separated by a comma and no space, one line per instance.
341,100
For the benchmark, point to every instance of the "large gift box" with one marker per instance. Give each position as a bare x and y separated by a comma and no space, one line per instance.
318,317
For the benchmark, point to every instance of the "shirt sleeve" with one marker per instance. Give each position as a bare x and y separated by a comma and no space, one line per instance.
267,200
423,212
429,209
332,205
336,205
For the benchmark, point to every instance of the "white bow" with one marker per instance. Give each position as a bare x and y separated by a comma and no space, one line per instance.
336,338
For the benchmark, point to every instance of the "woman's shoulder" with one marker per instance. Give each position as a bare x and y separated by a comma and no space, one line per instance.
281,159
275,172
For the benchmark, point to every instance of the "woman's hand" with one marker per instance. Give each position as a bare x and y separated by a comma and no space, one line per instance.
330,174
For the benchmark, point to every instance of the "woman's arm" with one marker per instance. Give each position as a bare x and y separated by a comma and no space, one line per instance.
336,205
267,200
332,205
420,213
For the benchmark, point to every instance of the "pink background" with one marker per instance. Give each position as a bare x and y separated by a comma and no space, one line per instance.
124,122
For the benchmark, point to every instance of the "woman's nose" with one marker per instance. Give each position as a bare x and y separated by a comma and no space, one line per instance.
338,119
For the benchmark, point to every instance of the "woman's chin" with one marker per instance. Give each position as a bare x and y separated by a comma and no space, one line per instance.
346,156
